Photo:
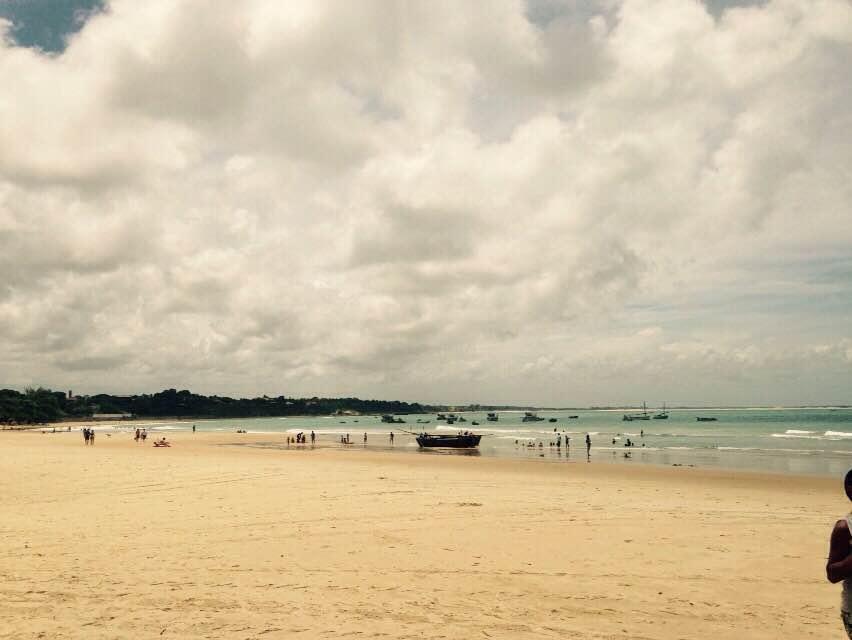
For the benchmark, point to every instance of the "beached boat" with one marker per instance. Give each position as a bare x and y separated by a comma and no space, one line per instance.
492,417
529,416
458,441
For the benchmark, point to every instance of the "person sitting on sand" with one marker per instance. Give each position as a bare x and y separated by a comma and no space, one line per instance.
839,564
161,443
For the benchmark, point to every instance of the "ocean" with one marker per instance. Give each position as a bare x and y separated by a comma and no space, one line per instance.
813,441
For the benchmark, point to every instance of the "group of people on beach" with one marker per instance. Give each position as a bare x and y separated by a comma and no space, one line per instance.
141,435
88,435
301,438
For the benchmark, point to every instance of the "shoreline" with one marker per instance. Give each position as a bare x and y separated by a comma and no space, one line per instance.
406,456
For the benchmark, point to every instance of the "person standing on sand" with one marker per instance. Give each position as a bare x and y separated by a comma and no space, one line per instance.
839,564
193,428
391,437
588,444
92,437
365,437
313,437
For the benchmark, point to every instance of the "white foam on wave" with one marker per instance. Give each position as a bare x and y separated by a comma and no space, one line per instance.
837,434
794,436
794,432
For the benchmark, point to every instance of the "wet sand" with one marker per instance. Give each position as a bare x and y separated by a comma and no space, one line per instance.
208,540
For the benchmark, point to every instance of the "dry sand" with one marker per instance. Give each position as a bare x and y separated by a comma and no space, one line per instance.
205,540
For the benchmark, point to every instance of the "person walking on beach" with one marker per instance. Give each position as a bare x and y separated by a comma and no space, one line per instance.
365,437
390,437
86,435
839,564
313,437
193,428
92,437
588,445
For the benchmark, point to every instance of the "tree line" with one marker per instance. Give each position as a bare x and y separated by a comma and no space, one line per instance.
35,406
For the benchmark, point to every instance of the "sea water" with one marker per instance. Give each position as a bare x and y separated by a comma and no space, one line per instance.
803,441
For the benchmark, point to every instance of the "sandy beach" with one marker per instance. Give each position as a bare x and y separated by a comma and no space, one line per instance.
208,540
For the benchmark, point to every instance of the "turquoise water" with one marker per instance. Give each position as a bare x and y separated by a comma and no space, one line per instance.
802,441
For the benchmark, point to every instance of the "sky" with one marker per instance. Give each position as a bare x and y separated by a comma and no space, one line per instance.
552,203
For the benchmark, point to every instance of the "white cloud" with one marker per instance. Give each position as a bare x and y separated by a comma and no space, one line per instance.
433,202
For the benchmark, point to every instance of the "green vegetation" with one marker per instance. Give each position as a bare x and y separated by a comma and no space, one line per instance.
42,405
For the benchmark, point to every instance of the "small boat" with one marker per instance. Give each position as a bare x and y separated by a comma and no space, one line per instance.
630,417
551,419
700,419
492,417
389,419
573,417
662,414
529,416
441,416
460,441
475,423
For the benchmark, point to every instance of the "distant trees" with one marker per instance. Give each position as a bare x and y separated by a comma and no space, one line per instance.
32,406
43,405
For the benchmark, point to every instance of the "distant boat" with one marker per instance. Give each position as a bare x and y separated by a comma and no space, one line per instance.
551,420
441,416
389,419
630,417
529,416
475,423
662,414
492,417
573,417
460,441
700,419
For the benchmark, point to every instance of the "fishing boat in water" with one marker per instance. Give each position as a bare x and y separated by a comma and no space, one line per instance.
663,414
700,419
630,417
465,440
492,417
529,416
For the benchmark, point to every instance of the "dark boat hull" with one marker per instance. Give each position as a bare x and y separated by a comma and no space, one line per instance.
453,442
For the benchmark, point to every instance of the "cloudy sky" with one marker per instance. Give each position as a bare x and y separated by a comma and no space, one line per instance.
547,202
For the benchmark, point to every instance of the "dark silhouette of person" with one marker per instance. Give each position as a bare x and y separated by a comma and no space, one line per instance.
839,564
